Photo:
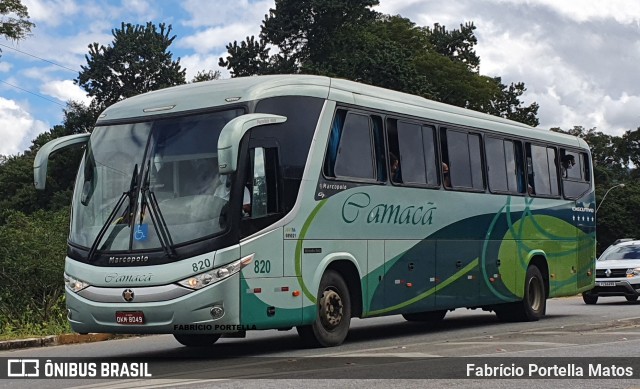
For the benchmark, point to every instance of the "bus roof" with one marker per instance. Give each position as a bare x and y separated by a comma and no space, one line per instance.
220,93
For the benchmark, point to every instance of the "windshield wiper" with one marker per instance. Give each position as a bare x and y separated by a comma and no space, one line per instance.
125,218
149,201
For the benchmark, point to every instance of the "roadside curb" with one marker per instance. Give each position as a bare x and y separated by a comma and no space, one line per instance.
57,340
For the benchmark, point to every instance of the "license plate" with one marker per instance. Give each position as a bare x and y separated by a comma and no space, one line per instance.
135,317
610,283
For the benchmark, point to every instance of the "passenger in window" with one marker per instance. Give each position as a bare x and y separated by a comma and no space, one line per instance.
224,189
445,175
394,168
568,161
530,189
246,203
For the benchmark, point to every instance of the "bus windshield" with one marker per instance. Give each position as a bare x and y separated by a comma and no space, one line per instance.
143,185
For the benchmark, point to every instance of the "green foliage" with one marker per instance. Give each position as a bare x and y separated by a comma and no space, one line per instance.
14,20
611,155
248,58
305,30
381,54
32,251
347,39
136,62
34,224
507,104
457,45
204,75
16,172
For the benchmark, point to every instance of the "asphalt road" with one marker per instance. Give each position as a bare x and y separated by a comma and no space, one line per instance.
388,352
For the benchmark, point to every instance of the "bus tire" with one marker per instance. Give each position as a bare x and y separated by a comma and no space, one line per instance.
589,299
426,317
333,315
199,340
534,304
631,298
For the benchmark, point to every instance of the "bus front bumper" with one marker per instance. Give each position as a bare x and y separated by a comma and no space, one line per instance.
192,313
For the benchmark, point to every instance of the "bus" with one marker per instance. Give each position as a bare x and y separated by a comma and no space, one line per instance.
271,202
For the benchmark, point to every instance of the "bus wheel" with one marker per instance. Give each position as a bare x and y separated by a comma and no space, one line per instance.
631,298
589,298
533,305
334,313
427,317
203,340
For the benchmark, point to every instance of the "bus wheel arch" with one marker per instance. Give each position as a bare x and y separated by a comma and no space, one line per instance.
351,276
347,266
540,262
333,315
533,305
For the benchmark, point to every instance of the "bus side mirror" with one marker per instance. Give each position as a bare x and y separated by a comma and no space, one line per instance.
232,133
42,157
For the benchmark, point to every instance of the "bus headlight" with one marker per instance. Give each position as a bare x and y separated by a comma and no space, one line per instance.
201,280
74,284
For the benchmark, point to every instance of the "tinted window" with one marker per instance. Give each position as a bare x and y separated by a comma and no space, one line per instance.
355,150
475,158
464,160
496,164
571,165
542,170
575,173
515,169
430,157
553,171
411,153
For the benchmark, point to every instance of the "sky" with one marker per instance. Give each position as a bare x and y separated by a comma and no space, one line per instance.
578,58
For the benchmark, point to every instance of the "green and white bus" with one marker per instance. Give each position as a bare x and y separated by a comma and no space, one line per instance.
275,202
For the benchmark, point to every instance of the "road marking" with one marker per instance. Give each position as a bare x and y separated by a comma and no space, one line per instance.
400,355
501,343
150,383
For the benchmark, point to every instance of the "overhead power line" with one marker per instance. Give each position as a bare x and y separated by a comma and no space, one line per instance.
42,59
33,93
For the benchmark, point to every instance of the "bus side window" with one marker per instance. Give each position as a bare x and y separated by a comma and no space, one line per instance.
351,149
519,167
504,165
395,174
575,173
463,159
334,142
412,155
261,194
378,140
542,170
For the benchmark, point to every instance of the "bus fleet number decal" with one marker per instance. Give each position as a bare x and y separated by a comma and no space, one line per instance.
201,265
262,266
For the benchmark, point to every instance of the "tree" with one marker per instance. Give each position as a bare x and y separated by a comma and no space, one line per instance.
507,104
458,45
381,53
249,58
14,20
203,75
137,61
347,39
304,31
16,172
